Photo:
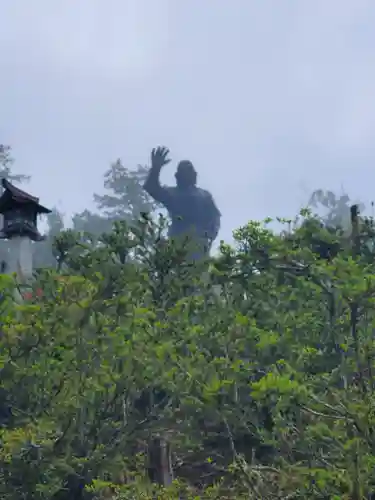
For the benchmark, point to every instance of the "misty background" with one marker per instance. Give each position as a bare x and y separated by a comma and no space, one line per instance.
270,100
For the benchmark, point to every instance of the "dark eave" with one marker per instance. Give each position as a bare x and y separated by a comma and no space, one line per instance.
14,194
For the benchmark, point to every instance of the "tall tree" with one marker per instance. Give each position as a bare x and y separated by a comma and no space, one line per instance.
6,164
336,209
6,172
55,224
124,199
91,222
264,392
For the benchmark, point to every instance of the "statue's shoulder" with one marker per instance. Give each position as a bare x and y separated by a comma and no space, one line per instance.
204,193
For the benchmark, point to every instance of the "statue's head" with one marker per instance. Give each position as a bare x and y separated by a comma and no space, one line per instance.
186,175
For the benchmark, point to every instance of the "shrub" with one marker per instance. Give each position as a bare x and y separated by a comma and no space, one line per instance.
264,390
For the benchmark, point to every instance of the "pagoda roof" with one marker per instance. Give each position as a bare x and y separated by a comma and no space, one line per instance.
13,195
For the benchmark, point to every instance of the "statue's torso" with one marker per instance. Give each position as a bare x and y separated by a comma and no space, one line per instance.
188,211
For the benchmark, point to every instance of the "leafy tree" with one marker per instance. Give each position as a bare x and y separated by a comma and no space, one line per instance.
91,222
6,164
6,172
44,255
125,200
337,208
262,391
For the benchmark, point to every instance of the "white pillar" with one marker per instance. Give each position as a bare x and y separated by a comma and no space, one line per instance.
19,260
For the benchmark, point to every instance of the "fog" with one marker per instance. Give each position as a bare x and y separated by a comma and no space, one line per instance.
270,100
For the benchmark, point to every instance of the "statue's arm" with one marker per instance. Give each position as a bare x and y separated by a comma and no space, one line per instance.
161,194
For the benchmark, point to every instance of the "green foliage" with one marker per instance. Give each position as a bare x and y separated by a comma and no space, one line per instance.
336,208
44,256
256,367
6,164
124,199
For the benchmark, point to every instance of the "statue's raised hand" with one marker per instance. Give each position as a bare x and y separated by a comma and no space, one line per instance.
159,157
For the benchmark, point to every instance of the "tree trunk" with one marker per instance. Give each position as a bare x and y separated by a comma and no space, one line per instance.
159,462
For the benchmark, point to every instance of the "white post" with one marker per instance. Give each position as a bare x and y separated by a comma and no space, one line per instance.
20,260
20,257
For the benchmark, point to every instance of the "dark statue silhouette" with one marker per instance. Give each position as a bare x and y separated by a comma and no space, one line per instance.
192,209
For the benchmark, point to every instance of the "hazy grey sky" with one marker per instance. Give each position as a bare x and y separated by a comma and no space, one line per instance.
269,98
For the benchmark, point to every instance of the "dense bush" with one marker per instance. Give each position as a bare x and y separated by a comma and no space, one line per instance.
257,371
